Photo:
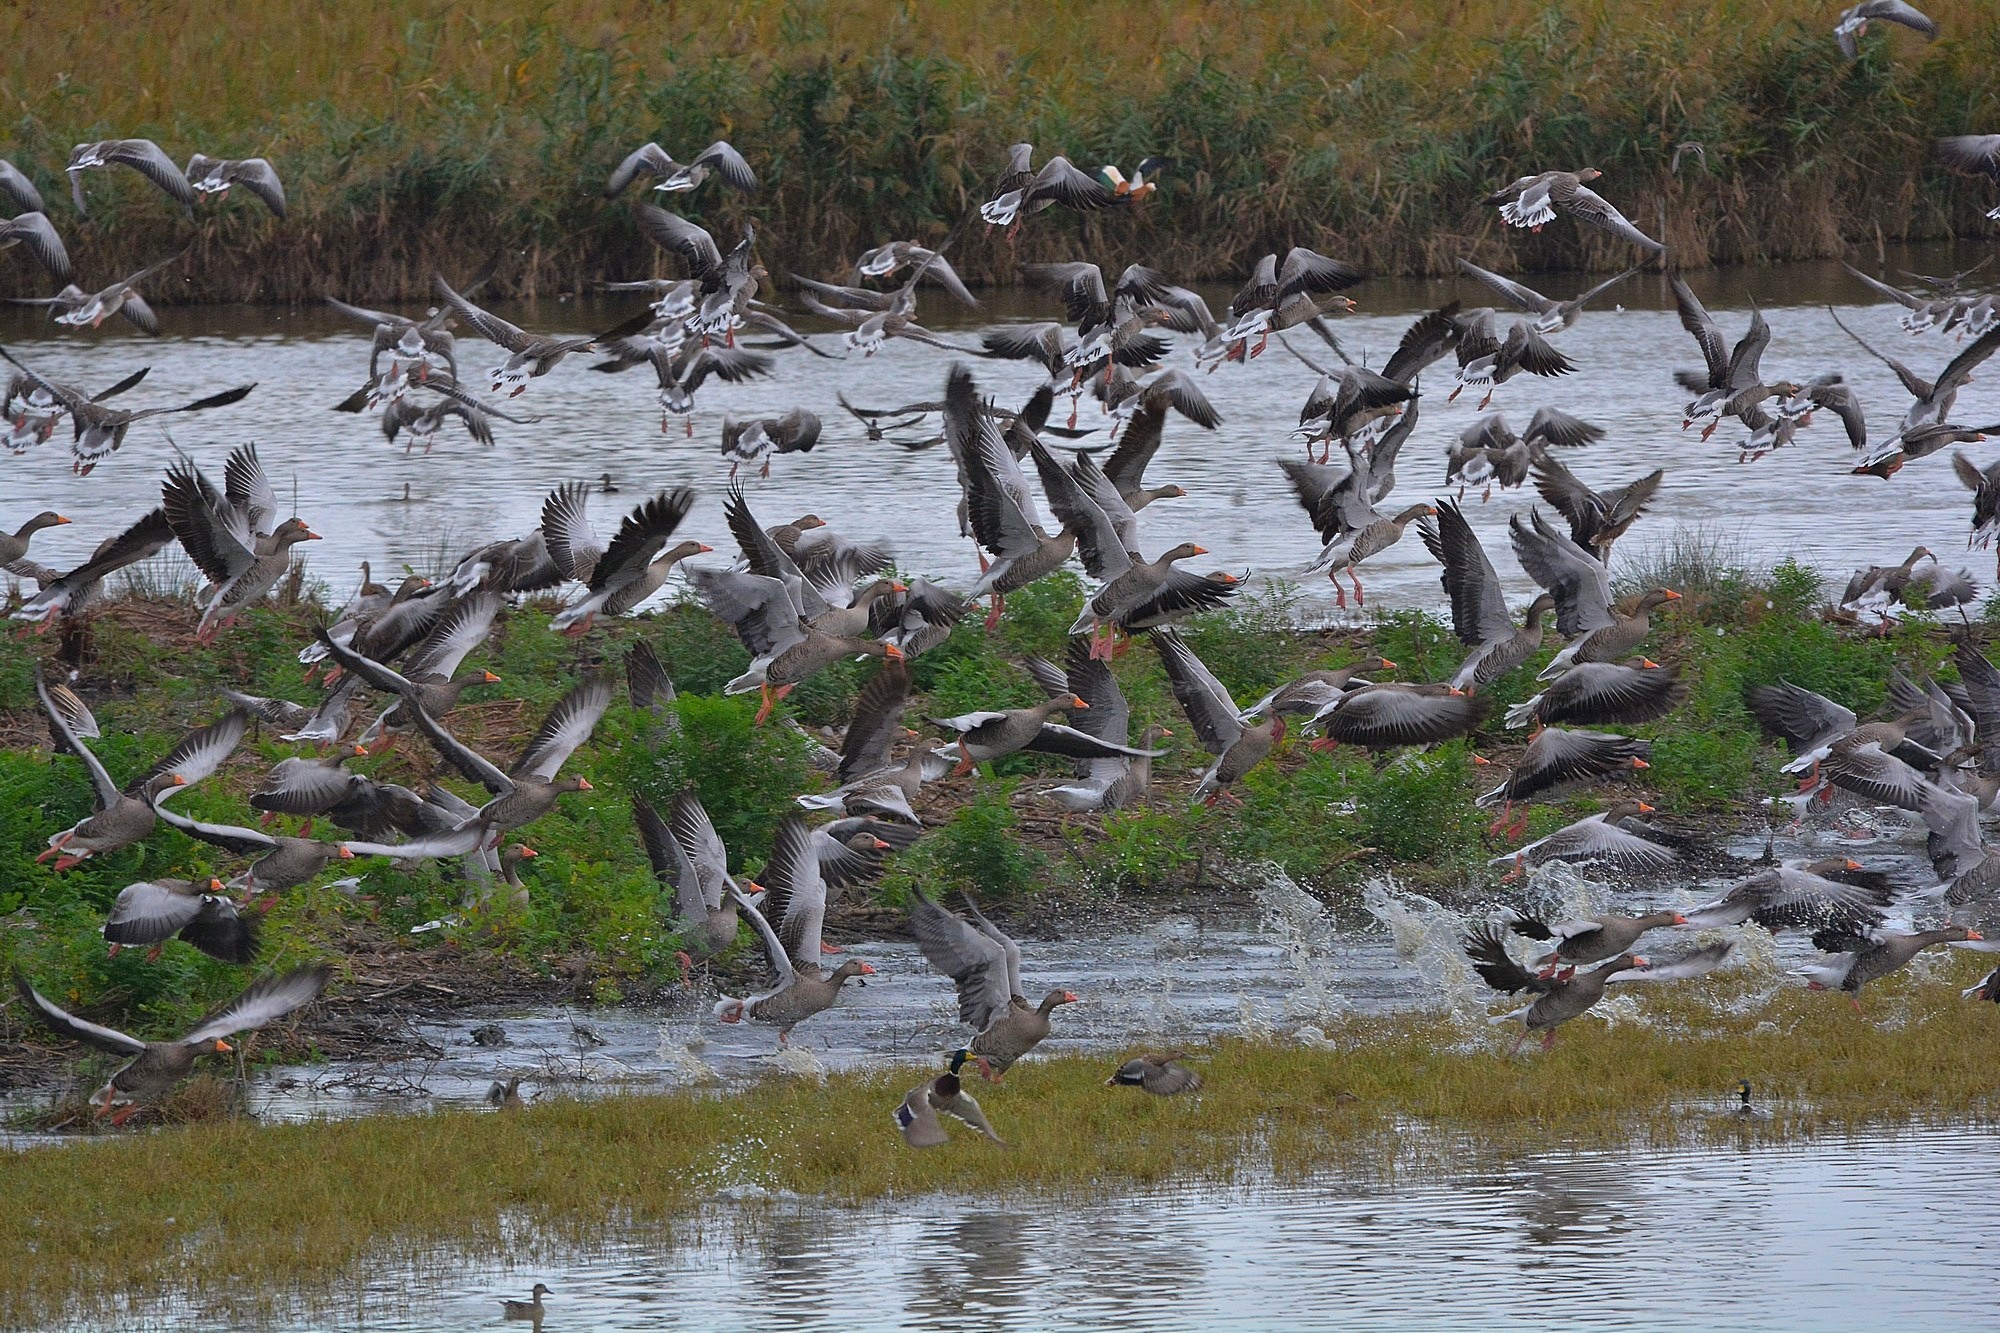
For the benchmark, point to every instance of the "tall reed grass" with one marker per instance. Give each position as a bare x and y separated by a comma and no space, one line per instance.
430,135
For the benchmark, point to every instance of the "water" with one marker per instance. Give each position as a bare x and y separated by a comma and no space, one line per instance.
1865,1233
1800,503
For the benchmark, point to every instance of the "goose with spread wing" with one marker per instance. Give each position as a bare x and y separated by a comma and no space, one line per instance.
1534,201
153,911
1115,781
1551,316
1238,742
984,964
124,817
635,564
1021,190
533,355
141,155
1567,995
718,159
1801,895
1854,22
688,859
154,1067
215,175
1479,616
1615,834
1581,586
97,431
68,592
795,894
1559,760
281,862
38,236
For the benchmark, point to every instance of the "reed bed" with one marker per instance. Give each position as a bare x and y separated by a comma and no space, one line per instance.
295,1207
427,137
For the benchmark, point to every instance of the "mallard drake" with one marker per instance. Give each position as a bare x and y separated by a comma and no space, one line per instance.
1745,1109
917,1117
1854,22
123,818
154,1067
1614,834
214,175
142,155
985,966
34,231
1570,994
719,159
1159,1073
1533,201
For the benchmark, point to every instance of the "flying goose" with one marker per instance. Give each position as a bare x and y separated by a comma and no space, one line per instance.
984,964
1854,22
1021,190
38,235
1533,201
214,175
719,159
142,155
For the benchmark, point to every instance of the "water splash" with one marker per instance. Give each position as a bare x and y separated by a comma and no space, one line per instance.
798,1062
1309,941
677,1047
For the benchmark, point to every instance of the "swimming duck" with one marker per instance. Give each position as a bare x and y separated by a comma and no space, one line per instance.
1745,1109
531,1309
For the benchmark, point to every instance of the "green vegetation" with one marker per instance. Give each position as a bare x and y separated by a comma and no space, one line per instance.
597,917
165,1211
430,138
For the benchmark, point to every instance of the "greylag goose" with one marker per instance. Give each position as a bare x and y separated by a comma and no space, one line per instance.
533,355
1865,954
529,789
1854,22
1591,939
507,1097
282,862
872,729
98,431
985,967
994,734
154,911
121,818
1308,694
1223,729
1984,483
1595,520
412,343
1371,539
1915,442
214,175
154,1067
1533,201
232,537
1558,761
917,1117
1283,294
785,649
1581,586
14,545
78,308
15,185
800,992
403,415
530,1309
38,235
885,260
1478,603
1487,360
1157,1072
1550,316
1932,400
1115,781
634,565
69,592
1564,996
1987,989
1600,693
683,370
1975,155
1880,586
718,159
308,788
1729,383
431,678
1021,190
1614,834
688,859
1801,895
1389,714
1000,510
142,155
754,440
727,283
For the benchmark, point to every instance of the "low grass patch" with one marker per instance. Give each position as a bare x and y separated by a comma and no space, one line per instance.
300,1207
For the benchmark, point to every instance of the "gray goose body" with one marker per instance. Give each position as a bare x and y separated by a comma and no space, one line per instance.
1593,939
14,545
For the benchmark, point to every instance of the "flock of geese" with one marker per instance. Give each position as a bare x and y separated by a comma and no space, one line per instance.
393,663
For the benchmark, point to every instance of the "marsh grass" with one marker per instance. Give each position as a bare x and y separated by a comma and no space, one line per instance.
1416,1092
450,131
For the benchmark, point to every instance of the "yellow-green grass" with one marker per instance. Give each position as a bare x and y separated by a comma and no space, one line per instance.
293,1207
425,135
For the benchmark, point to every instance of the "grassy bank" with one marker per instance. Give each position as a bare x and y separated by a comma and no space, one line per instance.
597,923
428,137
159,1214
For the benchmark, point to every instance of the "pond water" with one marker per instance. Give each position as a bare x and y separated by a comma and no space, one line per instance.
1799,503
1886,1230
